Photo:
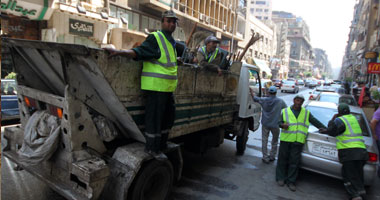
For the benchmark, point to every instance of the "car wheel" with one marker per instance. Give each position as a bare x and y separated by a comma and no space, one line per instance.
242,138
154,181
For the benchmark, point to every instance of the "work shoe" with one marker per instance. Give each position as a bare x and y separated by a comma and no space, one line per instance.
281,183
292,187
265,160
271,159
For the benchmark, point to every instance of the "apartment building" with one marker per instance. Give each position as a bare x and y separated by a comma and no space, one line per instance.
301,51
261,9
363,45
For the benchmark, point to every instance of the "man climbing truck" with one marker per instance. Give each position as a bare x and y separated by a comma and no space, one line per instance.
82,118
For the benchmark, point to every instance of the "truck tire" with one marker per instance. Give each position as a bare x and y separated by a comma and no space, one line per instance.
242,138
153,182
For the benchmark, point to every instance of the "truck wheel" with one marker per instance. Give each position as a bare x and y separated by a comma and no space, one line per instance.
153,182
242,138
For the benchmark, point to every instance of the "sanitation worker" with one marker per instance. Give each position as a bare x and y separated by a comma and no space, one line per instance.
352,151
158,81
294,122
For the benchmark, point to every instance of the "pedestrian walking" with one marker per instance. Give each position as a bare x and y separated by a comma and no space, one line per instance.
294,122
352,151
375,126
272,107
158,81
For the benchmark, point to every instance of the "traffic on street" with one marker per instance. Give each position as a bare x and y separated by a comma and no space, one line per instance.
216,175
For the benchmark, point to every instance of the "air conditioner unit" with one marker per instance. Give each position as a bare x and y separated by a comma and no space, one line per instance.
201,17
207,19
224,27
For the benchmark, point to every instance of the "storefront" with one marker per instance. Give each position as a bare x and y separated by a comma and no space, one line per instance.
67,25
22,19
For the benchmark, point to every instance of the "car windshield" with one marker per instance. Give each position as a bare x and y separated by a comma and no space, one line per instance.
329,98
324,115
289,82
8,87
348,100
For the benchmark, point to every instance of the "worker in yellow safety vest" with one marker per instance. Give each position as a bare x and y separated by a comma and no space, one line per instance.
294,123
158,81
352,151
210,56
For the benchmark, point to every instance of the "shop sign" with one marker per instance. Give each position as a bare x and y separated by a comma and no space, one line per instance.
373,68
77,27
24,8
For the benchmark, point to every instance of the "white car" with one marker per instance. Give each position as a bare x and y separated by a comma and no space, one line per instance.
289,86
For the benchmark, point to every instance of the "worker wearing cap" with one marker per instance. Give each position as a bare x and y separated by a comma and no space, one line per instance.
158,81
272,107
352,151
209,55
294,122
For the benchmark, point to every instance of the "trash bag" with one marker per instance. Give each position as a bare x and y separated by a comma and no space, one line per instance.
40,138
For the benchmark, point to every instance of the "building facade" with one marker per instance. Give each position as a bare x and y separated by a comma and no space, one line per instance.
301,52
363,45
261,9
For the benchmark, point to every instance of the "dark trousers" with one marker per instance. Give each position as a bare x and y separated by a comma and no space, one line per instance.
289,157
353,179
159,119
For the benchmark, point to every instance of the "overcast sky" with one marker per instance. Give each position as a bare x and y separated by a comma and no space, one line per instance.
328,21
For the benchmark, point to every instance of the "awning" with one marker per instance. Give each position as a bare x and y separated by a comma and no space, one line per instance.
262,65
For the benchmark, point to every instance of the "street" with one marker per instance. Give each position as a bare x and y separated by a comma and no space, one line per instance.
217,175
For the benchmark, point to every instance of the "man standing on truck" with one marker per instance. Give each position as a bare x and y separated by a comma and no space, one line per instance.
210,56
159,81
352,151
294,121
272,107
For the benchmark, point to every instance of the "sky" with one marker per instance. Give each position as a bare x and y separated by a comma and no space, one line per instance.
328,21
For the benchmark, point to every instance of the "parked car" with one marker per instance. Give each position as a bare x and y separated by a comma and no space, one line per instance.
325,88
320,154
313,84
9,104
289,86
307,82
277,83
314,94
300,82
337,98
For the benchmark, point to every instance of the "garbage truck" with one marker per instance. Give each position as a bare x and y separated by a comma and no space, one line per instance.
82,118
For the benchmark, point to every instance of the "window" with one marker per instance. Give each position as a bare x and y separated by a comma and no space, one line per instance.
258,17
266,10
259,10
261,3
252,10
265,17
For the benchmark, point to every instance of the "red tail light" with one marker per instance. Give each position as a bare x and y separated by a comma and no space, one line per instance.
293,86
372,157
30,102
311,98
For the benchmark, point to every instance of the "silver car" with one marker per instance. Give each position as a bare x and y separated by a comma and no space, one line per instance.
320,154
337,98
289,86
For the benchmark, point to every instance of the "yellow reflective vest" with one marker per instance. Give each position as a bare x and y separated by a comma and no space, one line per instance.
212,57
161,74
298,127
352,137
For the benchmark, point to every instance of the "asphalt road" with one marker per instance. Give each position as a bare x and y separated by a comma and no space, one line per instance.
216,175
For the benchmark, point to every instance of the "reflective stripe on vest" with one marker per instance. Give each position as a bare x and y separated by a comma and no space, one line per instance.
161,74
298,128
352,137
212,57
